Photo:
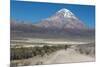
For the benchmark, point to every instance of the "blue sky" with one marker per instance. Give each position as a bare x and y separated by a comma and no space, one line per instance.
36,11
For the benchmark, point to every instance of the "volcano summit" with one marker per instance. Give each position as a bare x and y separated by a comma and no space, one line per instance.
62,19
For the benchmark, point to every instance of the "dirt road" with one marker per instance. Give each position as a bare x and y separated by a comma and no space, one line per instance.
61,56
68,56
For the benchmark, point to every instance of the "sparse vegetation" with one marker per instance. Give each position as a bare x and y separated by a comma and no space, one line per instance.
28,52
87,49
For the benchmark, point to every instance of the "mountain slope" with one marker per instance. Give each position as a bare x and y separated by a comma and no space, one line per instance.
63,24
63,19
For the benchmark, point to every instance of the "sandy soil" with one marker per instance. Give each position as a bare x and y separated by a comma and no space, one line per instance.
68,56
61,56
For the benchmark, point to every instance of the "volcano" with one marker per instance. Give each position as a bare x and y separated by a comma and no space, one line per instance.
62,19
63,24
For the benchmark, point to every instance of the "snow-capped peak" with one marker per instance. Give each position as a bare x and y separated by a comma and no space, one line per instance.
66,13
62,19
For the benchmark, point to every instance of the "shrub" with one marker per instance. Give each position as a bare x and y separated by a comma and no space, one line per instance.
28,52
